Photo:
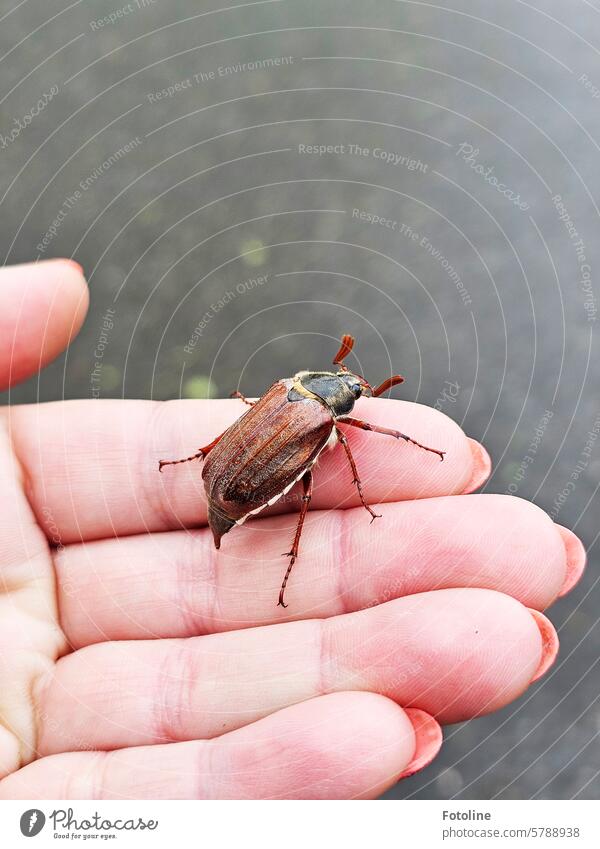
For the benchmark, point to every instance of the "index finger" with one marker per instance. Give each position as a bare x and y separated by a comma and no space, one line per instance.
92,466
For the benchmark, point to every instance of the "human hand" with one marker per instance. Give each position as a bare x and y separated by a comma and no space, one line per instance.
136,661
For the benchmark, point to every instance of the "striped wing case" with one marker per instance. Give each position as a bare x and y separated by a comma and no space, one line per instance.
262,454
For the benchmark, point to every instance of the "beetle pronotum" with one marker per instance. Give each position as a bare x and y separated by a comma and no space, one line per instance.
278,440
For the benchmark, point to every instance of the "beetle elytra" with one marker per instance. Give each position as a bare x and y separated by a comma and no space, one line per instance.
276,443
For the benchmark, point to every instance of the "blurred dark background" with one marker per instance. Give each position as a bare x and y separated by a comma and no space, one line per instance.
170,157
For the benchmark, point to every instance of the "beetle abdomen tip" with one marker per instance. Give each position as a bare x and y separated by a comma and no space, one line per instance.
219,524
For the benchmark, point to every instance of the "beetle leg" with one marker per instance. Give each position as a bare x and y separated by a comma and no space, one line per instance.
344,440
202,452
242,398
396,433
307,482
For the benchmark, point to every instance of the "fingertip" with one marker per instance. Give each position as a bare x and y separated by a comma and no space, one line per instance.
69,262
550,643
42,305
428,740
576,559
72,289
482,466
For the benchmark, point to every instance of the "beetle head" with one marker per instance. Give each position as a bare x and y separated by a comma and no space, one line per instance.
339,390
357,384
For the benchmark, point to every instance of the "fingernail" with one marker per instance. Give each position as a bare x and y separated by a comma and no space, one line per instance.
482,466
428,739
78,268
550,643
576,559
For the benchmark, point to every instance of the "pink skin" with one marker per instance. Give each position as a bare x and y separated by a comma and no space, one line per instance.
487,541
41,311
429,616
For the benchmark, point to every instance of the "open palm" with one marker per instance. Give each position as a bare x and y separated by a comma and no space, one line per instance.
137,661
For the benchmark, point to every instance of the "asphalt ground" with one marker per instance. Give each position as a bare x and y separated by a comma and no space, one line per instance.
244,184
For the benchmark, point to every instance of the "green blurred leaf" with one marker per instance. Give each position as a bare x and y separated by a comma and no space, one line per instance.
199,387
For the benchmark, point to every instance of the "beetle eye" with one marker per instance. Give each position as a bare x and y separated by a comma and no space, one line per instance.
357,389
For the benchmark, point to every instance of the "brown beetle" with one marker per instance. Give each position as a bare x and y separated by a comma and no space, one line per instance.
278,441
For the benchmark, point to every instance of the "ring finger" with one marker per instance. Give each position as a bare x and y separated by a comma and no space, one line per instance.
454,653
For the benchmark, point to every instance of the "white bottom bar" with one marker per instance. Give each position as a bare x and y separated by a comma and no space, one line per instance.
302,825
